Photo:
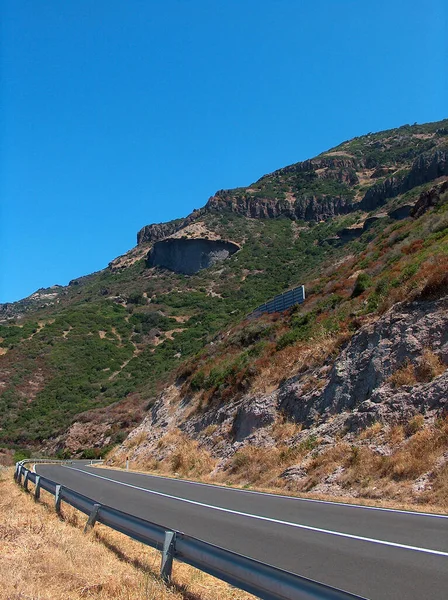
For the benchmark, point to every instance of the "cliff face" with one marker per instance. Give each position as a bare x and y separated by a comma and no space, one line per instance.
356,387
315,189
424,169
359,377
320,207
189,256
308,208
157,231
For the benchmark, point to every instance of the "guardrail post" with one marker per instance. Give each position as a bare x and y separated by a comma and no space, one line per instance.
57,499
92,517
25,481
19,475
16,471
169,548
37,488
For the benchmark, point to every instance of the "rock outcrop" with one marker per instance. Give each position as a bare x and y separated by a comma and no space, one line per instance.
429,199
189,256
157,231
308,208
319,207
425,168
361,371
160,231
42,298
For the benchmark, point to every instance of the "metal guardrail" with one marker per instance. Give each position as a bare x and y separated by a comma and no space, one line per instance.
262,580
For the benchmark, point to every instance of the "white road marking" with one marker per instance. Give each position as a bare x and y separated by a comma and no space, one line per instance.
280,496
269,519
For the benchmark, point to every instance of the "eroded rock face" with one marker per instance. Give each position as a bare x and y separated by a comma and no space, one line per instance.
189,256
425,168
308,208
429,199
358,378
253,415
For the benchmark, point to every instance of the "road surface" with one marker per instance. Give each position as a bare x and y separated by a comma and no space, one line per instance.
376,553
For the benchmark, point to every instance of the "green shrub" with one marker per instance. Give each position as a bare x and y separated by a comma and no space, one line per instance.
363,282
21,454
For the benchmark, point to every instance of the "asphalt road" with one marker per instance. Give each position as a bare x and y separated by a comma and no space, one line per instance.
376,553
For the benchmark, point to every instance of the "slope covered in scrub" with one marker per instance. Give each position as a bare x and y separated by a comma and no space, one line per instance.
363,226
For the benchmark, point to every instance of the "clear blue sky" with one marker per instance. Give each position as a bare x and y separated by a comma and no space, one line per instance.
120,113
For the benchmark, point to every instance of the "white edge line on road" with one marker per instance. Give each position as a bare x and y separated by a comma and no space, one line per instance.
269,519
298,498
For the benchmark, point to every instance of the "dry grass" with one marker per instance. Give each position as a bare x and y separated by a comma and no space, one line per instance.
395,435
374,475
185,456
371,432
262,467
136,440
180,455
254,465
405,375
364,472
414,425
48,558
295,359
352,472
428,366
284,429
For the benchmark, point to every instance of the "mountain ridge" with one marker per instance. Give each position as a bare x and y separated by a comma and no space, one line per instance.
260,200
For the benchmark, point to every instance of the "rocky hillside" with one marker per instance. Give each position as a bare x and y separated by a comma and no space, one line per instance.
352,422
168,356
361,174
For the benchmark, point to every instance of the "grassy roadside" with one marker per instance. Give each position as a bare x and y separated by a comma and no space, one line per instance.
49,558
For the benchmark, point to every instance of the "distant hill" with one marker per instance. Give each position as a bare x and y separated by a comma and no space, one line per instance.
363,226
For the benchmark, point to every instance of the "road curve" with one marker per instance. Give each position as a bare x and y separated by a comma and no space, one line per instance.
376,553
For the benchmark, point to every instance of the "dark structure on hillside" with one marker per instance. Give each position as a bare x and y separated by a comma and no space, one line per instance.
281,302
189,256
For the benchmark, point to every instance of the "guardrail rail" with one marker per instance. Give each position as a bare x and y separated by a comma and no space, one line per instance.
262,580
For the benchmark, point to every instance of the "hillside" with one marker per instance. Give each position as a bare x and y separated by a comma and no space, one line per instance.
172,358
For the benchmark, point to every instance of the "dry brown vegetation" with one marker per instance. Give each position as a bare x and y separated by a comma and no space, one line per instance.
405,375
428,366
363,472
183,456
46,557
295,359
360,470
